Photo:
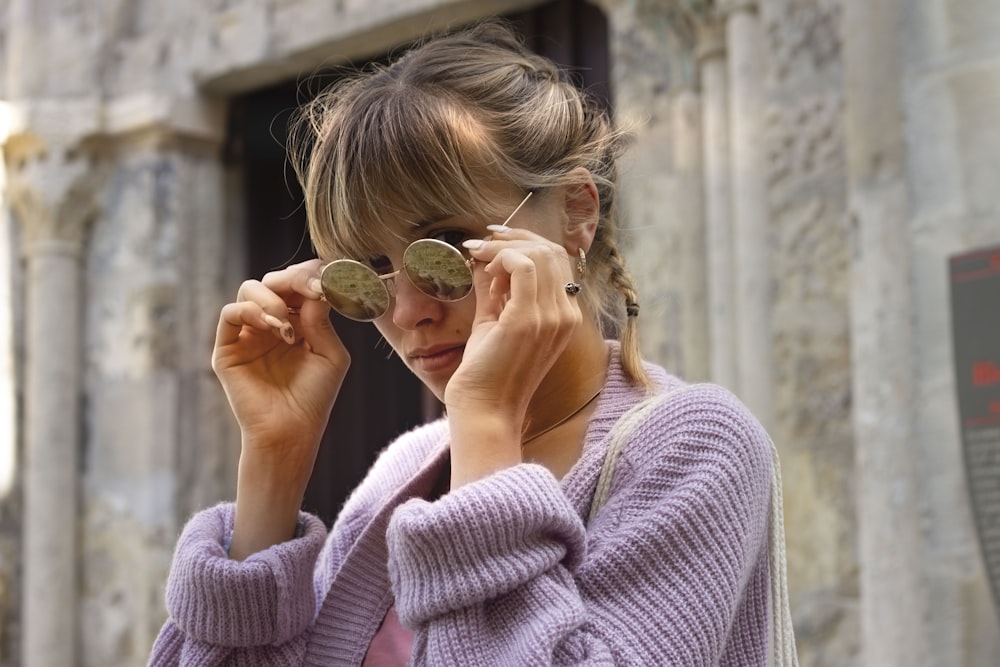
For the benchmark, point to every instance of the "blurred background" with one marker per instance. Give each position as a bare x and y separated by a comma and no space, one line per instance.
801,175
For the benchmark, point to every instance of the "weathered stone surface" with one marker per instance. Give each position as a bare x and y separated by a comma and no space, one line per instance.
810,251
647,80
158,444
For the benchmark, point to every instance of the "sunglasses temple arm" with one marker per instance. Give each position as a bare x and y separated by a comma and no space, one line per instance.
511,216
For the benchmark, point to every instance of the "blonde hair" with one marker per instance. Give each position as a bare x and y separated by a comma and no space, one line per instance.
429,133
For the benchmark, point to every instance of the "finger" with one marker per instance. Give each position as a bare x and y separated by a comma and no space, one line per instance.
529,243
554,272
234,317
513,233
318,331
485,249
254,291
500,286
552,262
489,303
517,275
300,279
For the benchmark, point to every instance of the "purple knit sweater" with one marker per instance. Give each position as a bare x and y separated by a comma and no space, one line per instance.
504,571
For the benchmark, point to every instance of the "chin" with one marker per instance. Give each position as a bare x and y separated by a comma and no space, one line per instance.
433,383
437,389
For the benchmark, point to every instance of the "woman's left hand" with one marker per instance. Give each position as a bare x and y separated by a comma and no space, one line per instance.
523,322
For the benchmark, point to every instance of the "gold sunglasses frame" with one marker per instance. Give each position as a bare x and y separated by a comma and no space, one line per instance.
369,305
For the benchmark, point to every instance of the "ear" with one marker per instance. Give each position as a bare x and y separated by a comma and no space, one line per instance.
582,206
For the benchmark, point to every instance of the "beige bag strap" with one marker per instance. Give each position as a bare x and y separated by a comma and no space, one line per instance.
619,434
781,648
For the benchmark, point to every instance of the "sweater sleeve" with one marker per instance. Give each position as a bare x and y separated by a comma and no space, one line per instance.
484,573
257,611
673,570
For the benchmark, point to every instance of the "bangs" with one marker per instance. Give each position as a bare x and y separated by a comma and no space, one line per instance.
397,156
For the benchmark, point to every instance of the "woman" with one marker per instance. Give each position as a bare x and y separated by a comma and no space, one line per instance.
470,542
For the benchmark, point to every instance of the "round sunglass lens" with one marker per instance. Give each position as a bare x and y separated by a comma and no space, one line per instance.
437,269
354,290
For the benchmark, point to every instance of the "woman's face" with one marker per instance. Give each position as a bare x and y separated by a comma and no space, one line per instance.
430,335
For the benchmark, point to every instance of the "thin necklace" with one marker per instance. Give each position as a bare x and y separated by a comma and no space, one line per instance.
561,421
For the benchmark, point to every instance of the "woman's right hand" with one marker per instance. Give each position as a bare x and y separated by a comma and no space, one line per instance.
281,365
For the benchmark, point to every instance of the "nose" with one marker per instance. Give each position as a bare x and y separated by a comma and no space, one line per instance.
411,307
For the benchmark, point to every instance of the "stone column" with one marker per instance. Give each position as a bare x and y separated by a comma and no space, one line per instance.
10,540
689,203
755,363
718,207
52,80
660,194
9,252
45,197
893,607
159,438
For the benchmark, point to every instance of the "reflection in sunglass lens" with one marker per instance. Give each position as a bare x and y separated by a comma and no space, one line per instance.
354,290
437,269
434,267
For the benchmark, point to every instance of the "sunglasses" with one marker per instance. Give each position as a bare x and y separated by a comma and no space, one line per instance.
436,268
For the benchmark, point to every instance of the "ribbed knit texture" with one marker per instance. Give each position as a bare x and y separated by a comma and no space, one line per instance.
673,570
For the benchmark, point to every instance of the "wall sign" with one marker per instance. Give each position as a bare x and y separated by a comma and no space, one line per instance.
975,312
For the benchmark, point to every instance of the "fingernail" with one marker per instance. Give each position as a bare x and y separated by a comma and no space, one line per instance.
500,229
273,321
285,329
473,244
316,286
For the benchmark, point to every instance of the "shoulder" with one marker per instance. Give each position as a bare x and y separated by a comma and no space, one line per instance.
674,430
706,411
694,464
699,421
697,437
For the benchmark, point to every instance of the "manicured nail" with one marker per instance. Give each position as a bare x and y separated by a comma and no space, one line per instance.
473,244
285,329
500,229
316,286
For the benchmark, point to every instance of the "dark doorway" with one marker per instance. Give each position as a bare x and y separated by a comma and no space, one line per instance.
380,398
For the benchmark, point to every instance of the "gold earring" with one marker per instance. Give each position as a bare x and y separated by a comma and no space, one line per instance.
581,263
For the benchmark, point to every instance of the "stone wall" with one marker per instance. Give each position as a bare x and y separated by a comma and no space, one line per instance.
809,275
951,100
772,160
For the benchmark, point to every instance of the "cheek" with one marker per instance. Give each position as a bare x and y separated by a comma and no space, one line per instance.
458,318
390,332
463,314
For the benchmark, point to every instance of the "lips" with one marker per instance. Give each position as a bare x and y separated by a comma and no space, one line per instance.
437,358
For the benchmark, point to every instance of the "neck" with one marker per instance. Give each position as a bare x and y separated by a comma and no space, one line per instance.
571,385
